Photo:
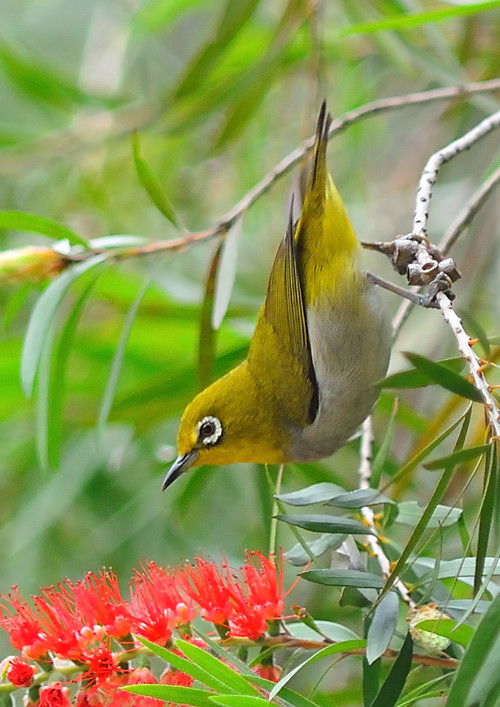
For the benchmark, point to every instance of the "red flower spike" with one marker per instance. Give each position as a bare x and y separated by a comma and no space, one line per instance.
171,676
20,672
22,625
265,585
205,585
157,605
268,672
98,601
54,695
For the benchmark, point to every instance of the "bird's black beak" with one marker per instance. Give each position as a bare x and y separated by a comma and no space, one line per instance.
180,465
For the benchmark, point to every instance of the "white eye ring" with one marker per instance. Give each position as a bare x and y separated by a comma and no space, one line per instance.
209,430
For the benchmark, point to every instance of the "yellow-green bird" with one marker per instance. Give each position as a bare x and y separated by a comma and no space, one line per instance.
321,341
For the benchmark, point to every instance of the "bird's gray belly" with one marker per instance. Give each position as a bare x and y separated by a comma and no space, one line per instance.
350,353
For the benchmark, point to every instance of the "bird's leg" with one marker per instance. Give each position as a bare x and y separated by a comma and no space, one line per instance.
422,263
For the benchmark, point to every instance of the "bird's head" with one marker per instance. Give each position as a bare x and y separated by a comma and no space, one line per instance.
228,423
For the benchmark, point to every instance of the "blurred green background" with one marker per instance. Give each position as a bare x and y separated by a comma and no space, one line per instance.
219,92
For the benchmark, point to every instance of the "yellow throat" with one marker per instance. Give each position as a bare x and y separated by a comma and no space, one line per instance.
321,341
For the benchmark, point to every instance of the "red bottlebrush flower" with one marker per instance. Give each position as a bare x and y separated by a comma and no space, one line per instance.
269,672
157,605
20,672
171,676
22,625
98,601
264,585
54,695
208,587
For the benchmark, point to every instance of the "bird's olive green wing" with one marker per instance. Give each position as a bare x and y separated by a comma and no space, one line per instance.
281,343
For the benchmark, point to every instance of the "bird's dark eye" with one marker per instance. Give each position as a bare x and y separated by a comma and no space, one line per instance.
209,430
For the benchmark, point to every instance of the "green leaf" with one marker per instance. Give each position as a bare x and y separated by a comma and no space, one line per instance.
193,669
327,629
382,627
172,693
383,452
449,629
436,497
458,457
410,513
233,19
477,680
342,647
289,697
208,335
489,515
231,679
395,681
343,578
326,524
317,493
116,366
359,499
444,377
22,221
226,273
238,700
298,556
462,567
151,184
406,21
415,378
42,316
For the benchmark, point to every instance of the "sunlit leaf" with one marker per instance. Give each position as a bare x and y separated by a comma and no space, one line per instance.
151,184
448,628
22,221
405,21
174,694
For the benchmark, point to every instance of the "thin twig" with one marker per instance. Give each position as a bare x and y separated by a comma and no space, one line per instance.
224,223
451,236
424,193
367,513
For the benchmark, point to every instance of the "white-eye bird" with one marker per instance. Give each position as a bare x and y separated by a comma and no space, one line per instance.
321,341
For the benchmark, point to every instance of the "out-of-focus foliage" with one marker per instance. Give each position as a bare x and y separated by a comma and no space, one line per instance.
144,119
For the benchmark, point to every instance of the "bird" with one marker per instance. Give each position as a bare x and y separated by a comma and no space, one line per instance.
321,342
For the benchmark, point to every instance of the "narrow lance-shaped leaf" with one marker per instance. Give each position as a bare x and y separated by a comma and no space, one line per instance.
489,511
342,647
444,377
477,680
382,627
226,274
151,184
208,335
44,311
458,457
416,378
344,578
175,694
317,493
22,221
326,524
428,512
395,681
